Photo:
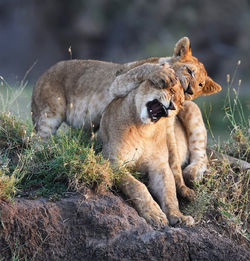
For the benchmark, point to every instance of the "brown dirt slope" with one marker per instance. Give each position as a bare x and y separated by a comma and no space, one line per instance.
101,227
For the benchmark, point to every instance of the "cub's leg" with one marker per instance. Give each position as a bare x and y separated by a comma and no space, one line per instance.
134,190
162,184
48,108
160,75
175,163
138,193
192,121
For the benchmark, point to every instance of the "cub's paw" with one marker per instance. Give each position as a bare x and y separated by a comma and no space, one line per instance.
155,217
180,219
194,173
188,220
186,193
163,76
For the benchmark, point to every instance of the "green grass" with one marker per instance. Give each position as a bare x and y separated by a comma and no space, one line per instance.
28,166
15,99
66,162
213,111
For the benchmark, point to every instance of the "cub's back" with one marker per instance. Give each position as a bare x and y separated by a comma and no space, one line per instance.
73,74
69,91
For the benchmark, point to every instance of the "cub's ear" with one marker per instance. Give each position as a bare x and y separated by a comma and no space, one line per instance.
210,87
182,48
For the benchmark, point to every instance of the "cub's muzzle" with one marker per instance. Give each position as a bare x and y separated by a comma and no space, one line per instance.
189,90
156,109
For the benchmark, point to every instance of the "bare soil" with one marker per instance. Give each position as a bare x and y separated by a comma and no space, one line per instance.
103,226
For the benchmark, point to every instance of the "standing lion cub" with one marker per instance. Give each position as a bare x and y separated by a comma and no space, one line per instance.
78,91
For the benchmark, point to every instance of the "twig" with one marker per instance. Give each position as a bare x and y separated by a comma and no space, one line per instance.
27,73
216,155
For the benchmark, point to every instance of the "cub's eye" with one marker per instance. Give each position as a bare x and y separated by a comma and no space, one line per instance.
189,71
200,84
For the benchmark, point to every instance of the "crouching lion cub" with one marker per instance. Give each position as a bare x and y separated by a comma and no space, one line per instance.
135,129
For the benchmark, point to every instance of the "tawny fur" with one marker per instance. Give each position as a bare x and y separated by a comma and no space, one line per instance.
128,137
195,132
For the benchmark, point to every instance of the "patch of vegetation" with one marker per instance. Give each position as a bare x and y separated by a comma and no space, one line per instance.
7,185
65,162
14,136
15,99
13,141
225,188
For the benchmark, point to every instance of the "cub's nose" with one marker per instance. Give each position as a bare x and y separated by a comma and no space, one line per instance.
171,106
189,90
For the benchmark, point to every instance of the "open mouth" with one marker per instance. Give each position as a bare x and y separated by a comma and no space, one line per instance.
156,109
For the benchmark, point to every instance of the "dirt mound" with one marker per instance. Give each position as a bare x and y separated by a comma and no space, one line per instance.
101,227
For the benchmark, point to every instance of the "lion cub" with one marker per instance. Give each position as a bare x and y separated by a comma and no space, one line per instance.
135,129
190,131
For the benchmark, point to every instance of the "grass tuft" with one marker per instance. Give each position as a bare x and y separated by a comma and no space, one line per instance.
65,163
7,185
225,188
14,140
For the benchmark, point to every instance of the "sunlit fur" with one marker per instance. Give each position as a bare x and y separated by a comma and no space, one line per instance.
127,139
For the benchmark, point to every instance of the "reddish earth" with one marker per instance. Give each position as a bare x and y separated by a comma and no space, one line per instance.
103,227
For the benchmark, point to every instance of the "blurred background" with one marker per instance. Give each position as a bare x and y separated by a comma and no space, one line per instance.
42,31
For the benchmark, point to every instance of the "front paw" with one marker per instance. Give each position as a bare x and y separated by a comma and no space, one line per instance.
180,219
163,77
186,193
194,173
155,217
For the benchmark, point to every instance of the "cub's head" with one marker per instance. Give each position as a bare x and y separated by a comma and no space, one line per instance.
191,72
153,103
